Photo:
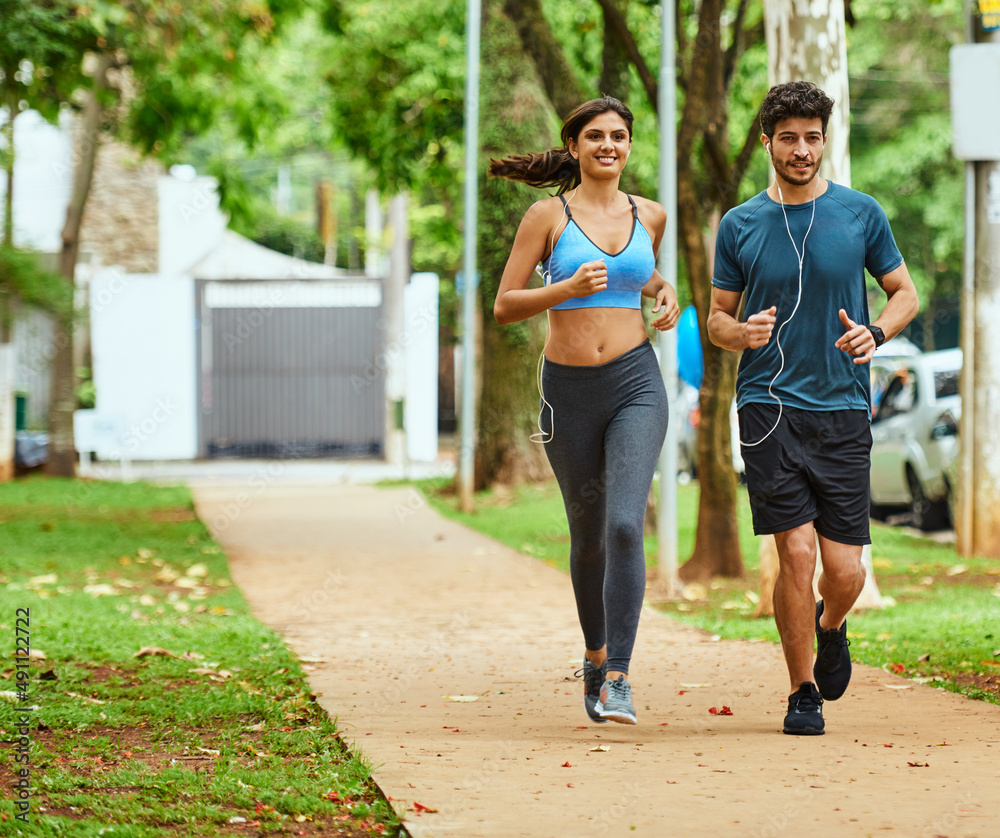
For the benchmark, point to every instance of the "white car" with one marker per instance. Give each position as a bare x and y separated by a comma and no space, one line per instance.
915,412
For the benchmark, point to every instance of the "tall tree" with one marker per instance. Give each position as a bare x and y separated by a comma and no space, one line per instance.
158,73
901,146
399,104
517,118
710,173
39,52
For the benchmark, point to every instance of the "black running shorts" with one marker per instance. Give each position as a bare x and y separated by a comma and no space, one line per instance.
814,466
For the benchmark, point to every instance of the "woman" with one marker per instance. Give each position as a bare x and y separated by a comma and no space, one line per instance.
604,413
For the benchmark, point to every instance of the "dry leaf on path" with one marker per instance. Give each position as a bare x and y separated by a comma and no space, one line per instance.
462,698
601,748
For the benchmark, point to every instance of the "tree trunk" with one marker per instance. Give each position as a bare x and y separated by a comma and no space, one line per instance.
62,448
614,60
517,118
808,40
870,596
538,42
7,352
717,547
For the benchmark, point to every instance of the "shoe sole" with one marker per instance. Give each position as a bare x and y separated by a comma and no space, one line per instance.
620,716
809,731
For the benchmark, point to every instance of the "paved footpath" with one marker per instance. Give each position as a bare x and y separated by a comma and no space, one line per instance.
403,617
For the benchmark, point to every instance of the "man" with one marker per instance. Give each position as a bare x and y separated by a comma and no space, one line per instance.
798,251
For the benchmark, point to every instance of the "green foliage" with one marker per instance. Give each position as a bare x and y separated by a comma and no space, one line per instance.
192,61
517,119
282,233
300,137
399,75
901,132
24,279
40,48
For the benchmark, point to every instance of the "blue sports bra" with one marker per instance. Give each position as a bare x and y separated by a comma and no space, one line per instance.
628,270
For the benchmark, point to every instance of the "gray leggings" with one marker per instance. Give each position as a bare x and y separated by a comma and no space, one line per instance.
610,421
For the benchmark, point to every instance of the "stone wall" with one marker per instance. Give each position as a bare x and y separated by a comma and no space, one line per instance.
121,218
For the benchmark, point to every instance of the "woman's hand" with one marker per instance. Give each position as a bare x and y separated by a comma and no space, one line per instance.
666,298
589,278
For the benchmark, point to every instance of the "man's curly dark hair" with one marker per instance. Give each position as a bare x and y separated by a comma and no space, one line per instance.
794,99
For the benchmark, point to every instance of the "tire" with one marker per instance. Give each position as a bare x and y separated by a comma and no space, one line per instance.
878,511
927,515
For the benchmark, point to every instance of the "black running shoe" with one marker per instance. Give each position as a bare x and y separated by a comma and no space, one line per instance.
805,711
832,669
593,680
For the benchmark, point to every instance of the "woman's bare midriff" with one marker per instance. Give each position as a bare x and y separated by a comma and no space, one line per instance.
585,337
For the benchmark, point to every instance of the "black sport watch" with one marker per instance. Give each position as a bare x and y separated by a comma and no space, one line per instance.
878,334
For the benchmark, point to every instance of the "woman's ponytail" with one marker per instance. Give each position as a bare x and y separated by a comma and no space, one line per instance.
555,167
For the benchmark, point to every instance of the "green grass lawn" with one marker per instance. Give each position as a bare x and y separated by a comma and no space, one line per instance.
942,629
210,731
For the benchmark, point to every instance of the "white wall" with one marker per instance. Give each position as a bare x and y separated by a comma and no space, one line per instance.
420,352
191,223
43,178
143,341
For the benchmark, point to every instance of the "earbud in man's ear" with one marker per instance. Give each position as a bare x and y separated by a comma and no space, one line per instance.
768,147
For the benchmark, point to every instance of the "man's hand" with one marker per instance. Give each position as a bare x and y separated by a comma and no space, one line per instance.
759,328
856,341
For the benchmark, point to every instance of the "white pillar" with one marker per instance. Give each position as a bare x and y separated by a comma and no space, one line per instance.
394,332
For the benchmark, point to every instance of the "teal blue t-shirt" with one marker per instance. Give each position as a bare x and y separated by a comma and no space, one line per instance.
753,253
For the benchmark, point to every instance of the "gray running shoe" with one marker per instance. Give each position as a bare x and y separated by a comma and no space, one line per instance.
593,677
616,702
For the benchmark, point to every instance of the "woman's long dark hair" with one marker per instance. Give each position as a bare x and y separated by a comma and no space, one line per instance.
556,167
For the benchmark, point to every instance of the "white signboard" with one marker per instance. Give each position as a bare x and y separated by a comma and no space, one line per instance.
975,101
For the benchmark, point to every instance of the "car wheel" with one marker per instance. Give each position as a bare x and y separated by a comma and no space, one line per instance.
878,511
927,514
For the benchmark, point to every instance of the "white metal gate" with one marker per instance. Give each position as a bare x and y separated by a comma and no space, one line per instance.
290,368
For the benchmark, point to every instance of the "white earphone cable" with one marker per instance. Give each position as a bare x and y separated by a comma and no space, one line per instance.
801,259
540,437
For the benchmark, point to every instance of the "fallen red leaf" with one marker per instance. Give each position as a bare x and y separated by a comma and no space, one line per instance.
419,807
681,692
567,764
713,711
664,724
897,667
725,711
581,727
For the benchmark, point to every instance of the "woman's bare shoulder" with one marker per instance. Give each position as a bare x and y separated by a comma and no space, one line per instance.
650,209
